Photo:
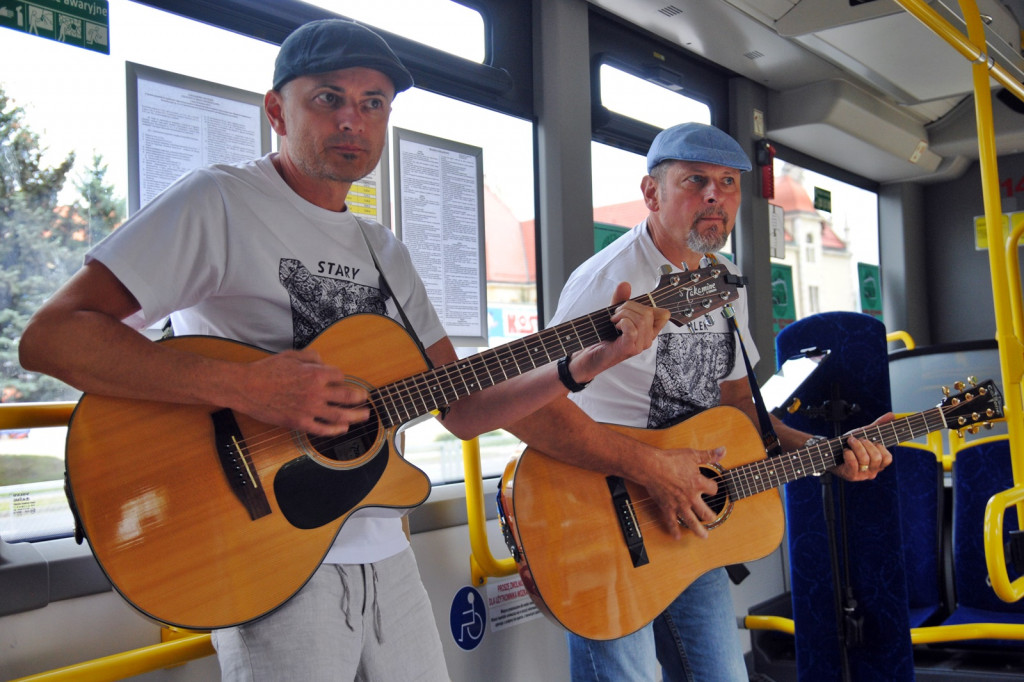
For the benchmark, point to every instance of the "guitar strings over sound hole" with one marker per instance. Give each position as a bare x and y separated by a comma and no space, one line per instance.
350,446
720,502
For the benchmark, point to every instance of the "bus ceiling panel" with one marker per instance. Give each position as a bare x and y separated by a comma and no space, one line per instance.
788,45
845,125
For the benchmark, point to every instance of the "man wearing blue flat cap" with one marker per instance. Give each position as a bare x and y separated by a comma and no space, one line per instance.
267,253
692,192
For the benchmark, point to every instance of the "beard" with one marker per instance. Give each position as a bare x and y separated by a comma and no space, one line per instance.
711,240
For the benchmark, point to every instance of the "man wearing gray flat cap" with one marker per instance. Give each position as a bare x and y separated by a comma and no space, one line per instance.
692,193
266,253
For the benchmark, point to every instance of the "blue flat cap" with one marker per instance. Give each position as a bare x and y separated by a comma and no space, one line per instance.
697,142
332,44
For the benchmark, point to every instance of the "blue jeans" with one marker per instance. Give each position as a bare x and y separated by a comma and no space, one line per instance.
696,639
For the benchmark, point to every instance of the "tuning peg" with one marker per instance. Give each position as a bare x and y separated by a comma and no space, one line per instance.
988,425
945,391
959,385
972,380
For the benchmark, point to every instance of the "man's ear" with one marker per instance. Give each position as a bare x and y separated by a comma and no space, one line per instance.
273,105
649,187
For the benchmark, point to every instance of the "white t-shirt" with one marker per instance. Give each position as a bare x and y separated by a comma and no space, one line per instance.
233,252
679,375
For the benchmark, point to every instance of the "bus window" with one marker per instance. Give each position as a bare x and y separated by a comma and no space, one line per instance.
831,246
645,101
441,24
507,144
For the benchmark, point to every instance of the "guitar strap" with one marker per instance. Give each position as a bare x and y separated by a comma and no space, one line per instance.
769,438
389,293
771,442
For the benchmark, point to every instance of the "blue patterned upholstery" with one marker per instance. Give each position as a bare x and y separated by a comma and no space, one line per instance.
858,369
979,472
921,502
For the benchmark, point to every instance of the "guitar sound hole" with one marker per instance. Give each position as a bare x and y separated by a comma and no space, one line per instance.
348,446
719,500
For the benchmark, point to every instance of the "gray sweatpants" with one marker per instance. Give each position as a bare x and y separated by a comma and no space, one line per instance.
368,622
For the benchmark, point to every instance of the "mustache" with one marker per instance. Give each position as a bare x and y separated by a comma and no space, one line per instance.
711,212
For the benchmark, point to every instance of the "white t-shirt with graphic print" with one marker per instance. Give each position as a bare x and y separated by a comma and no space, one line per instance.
679,375
231,251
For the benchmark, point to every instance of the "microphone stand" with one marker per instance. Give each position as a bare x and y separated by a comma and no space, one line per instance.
849,621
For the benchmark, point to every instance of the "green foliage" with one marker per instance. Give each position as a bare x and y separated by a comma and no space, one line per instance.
41,243
17,469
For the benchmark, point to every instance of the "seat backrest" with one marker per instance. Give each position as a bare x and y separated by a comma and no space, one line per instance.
856,372
921,512
979,471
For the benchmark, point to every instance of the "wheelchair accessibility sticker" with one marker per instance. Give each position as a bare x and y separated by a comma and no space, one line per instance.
506,604
468,618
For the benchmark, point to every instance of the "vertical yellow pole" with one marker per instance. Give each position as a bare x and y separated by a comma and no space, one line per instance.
1003,260
481,562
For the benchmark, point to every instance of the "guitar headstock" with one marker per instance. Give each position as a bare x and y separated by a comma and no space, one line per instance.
973,407
687,295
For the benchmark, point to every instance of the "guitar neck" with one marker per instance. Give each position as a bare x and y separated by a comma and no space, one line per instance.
765,474
417,395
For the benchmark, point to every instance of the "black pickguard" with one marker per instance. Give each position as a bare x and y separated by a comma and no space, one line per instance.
311,495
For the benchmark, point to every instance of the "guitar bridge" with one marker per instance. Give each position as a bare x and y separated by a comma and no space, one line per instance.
626,517
237,464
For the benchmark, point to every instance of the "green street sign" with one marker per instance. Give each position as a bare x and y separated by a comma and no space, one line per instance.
870,281
822,199
82,23
605,234
783,297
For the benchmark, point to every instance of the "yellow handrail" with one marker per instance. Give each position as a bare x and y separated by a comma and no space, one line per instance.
905,337
481,562
922,635
1008,312
34,415
995,557
174,651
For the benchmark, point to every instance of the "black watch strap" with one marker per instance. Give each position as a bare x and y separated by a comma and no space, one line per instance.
566,376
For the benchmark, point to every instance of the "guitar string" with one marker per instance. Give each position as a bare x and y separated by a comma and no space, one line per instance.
903,430
518,350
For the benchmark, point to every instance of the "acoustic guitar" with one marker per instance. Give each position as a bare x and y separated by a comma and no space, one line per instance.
204,518
593,552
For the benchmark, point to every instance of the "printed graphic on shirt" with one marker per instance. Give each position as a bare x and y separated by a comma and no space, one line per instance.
319,301
687,371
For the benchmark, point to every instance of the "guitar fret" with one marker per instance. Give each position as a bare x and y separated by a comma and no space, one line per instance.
380,399
486,361
438,387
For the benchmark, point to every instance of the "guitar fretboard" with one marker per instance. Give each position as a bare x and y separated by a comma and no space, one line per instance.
765,474
417,395
684,295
